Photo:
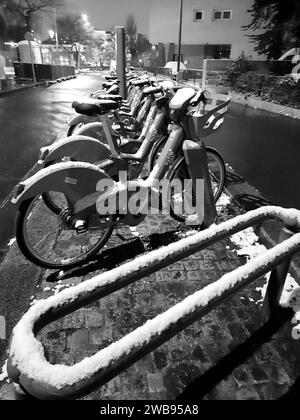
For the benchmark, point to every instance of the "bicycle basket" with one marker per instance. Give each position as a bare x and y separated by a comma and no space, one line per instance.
207,119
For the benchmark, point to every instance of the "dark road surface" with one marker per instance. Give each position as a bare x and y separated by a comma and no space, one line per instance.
264,148
29,120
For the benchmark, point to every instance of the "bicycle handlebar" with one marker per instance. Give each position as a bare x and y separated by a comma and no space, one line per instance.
200,97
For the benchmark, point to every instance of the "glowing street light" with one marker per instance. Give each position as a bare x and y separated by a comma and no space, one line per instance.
51,33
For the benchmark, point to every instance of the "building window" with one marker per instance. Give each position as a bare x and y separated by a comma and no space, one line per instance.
198,16
217,51
222,14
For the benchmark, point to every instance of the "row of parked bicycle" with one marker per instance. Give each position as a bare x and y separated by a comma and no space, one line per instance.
58,223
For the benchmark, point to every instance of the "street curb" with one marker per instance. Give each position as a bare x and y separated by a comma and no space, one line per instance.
18,89
257,103
45,83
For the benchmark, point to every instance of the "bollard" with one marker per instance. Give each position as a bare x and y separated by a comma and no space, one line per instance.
121,60
196,160
277,280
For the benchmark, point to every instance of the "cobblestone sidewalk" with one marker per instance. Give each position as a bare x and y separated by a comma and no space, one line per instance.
220,357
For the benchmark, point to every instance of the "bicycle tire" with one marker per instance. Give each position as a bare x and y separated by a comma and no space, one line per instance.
179,163
28,252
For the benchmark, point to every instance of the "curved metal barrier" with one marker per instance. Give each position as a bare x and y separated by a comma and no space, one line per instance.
28,366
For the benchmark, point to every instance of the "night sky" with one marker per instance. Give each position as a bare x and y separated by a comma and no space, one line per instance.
105,14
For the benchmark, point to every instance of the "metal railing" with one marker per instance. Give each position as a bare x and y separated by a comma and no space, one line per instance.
28,366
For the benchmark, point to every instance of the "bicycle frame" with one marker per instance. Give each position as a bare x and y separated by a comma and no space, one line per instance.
88,149
137,95
170,150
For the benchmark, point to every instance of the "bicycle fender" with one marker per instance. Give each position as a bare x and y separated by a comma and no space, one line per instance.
77,148
93,129
82,119
77,180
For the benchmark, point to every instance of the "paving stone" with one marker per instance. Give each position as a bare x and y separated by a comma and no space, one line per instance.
7,392
79,338
155,383
246,394
178,266
160,359
101,336
92,318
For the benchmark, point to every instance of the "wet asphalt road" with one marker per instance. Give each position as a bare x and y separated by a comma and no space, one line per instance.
264,148
30,119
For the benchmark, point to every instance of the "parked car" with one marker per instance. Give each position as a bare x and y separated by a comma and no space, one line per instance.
173,65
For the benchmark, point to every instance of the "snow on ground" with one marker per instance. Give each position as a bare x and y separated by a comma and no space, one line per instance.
290,299
3,374
11,242
247,245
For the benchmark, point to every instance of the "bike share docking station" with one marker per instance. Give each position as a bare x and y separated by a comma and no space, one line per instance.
35,378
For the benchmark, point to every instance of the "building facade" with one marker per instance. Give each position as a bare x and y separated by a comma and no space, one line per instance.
210,29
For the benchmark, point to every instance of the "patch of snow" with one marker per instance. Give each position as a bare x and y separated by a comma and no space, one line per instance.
134,231
11,242
61,274
223,201
3,374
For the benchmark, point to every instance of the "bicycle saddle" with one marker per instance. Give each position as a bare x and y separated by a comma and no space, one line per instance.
111,78
107,85
182,99
94,107
140,82
152,90
116,98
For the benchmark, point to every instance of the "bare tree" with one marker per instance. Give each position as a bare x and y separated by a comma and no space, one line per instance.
131,34
26,8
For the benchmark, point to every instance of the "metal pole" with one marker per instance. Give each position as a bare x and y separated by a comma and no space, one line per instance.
180,36
121,60
28,36
196,160
55,29
277,280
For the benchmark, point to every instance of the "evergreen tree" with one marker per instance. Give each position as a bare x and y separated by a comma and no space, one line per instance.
277,23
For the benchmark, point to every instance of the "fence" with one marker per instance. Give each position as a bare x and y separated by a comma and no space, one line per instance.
43,71
28,367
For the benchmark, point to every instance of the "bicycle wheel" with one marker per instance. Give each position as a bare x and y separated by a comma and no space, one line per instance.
56,202
51,241
179,170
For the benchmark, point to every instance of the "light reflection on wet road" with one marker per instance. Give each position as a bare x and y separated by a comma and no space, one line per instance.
30,119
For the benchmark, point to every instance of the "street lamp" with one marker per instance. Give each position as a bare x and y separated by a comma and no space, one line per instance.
180,36
51,33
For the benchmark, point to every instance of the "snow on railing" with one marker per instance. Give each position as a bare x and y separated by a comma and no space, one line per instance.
27,364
